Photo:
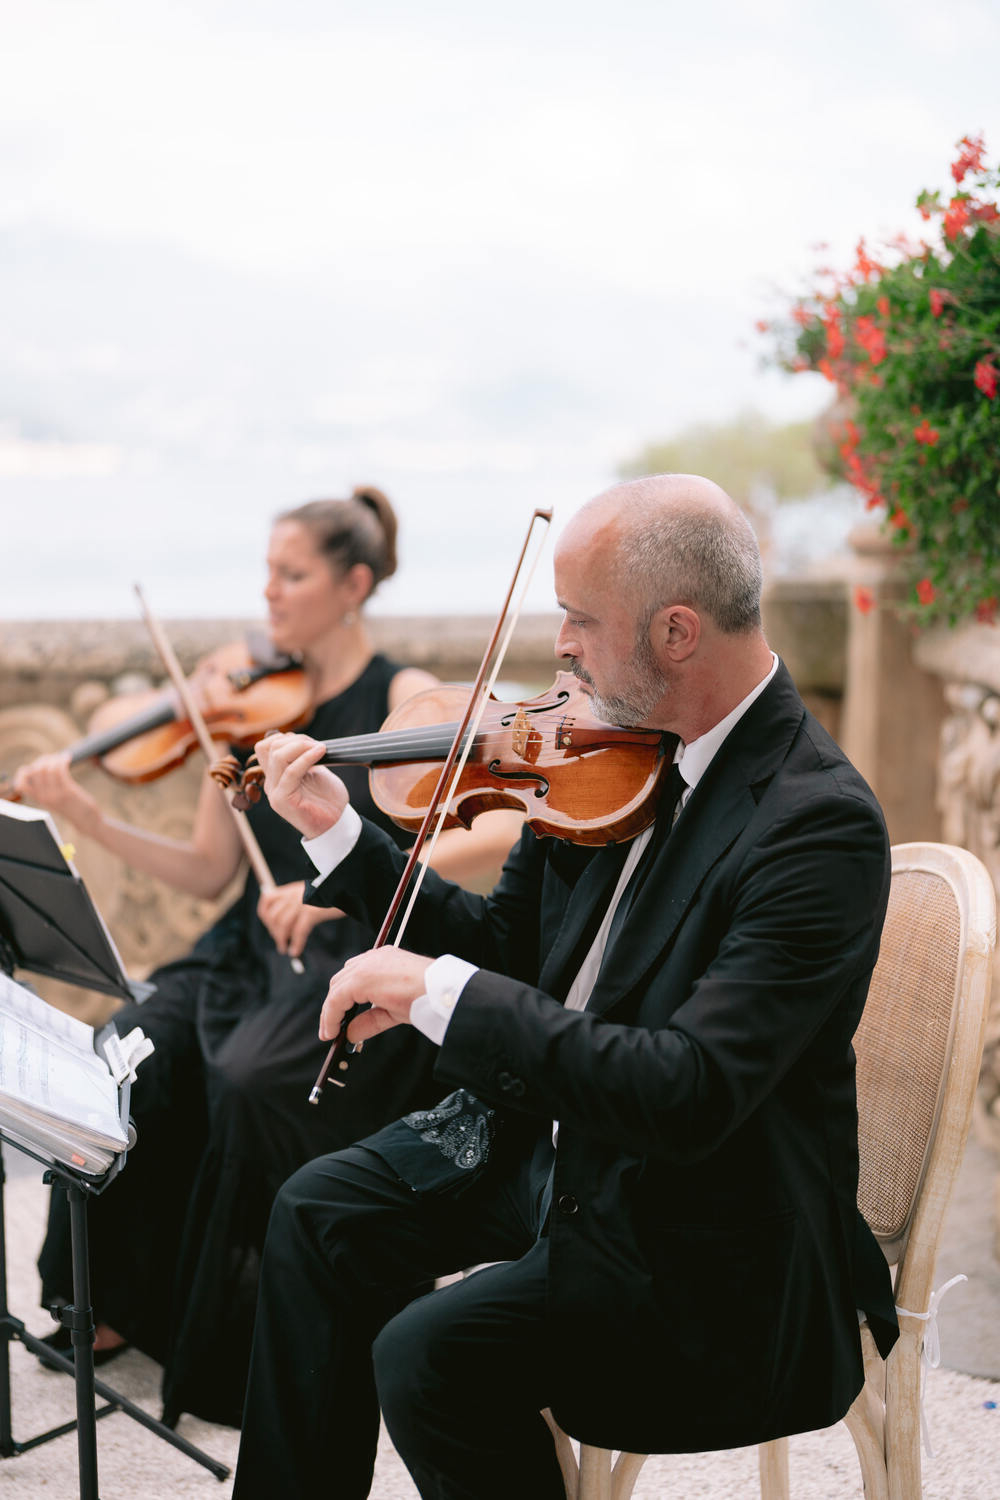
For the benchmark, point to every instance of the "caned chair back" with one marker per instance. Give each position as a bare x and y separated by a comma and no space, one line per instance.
903,1043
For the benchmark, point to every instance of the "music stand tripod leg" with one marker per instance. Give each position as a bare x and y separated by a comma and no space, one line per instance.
80,1321
7,1447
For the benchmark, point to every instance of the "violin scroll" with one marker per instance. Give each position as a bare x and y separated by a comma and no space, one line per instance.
247,780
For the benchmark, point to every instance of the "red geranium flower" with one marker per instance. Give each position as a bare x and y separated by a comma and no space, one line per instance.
956,218
864,600
970,157
986,611
985,377
864,266
898,341
871,338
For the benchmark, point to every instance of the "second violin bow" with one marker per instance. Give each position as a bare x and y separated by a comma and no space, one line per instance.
192,712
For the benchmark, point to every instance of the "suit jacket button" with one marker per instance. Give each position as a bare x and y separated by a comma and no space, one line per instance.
511,1085
567,1204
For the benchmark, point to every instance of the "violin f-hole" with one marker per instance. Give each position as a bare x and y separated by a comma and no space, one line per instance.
541,790
551,705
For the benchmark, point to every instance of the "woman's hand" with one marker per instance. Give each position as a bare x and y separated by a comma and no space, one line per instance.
47,783
287,920
305,794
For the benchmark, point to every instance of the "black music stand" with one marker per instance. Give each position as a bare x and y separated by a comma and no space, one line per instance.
38,880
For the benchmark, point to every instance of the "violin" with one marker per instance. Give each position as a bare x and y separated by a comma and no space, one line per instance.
571,775
139,737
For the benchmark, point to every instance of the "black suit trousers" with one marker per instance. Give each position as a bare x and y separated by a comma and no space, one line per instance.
346,1325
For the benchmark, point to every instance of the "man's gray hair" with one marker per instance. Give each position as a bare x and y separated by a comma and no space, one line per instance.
705,556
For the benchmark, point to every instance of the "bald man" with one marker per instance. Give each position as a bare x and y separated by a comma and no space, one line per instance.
649,1131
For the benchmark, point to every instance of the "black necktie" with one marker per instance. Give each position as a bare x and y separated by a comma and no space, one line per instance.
670,797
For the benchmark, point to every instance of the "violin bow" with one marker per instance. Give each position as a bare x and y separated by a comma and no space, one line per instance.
451,771
193,713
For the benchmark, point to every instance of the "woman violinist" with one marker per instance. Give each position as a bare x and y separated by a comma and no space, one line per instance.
221,1106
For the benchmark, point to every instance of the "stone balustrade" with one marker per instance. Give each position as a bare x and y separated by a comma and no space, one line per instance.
966,662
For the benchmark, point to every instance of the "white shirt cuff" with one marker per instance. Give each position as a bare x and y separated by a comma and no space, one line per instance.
445,980
327,849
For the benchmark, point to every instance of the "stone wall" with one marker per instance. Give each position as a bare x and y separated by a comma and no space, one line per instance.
966,663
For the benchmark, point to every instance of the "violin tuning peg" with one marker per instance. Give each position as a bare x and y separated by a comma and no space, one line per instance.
225,772
253,781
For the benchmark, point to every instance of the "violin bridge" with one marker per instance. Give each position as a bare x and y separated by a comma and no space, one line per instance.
520,733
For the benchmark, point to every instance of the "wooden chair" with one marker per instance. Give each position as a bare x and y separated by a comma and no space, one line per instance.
919,1048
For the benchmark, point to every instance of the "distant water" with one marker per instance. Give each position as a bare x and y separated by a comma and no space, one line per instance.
74,548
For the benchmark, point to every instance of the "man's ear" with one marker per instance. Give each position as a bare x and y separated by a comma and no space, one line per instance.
674,632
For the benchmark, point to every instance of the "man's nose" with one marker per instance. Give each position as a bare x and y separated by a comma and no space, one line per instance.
565,645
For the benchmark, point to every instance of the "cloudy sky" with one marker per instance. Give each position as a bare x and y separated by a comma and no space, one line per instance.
261,251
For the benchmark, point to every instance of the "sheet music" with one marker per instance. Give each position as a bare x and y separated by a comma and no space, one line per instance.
32,1011
55,1092
58,1097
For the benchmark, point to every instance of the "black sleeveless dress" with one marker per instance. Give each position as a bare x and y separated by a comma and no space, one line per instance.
223,1115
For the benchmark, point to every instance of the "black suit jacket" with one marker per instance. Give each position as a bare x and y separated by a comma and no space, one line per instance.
707,1257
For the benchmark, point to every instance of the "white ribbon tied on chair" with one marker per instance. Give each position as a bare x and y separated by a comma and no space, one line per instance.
931,1351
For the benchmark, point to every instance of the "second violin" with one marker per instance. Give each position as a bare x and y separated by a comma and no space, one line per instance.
242,695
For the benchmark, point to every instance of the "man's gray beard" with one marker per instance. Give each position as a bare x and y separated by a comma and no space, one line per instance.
641,693
625,711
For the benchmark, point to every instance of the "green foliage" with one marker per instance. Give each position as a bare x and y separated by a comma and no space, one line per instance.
744,456
913,348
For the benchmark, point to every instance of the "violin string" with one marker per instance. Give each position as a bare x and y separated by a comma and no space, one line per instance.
432,737
430,742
